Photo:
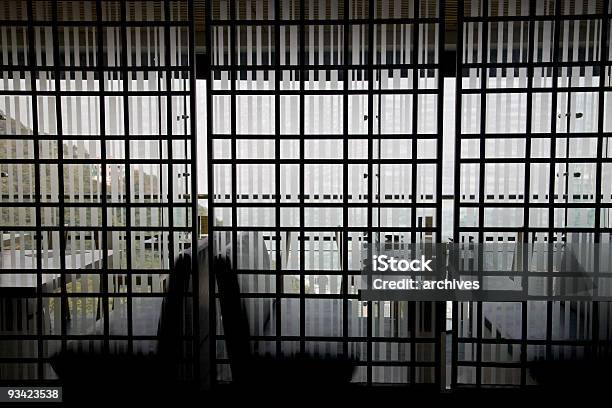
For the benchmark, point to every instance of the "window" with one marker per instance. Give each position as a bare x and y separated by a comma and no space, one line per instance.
326,137
96,161
529,172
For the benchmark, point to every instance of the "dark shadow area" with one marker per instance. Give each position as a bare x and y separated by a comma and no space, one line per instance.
590,375
138,375
297,372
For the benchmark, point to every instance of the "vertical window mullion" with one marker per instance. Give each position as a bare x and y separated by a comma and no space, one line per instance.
38,234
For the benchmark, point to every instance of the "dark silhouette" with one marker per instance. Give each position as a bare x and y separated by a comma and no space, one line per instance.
98,374
284,374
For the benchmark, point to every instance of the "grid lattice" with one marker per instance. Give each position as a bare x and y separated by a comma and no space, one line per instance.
531,169
97,152
325,133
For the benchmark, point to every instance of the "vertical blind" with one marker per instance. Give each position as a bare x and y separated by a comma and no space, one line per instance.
96,173
531,170
326,137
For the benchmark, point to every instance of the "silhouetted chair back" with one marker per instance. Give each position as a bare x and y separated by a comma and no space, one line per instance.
158,362
234,319
251,371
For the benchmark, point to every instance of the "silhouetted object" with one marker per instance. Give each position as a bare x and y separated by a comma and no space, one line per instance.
284,374
153,369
